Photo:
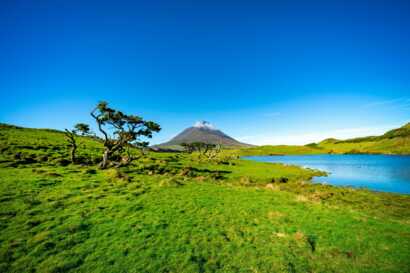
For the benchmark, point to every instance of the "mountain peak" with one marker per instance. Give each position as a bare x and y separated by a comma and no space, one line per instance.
204,124
204,131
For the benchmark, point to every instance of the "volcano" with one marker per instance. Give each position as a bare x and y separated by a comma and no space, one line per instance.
204,131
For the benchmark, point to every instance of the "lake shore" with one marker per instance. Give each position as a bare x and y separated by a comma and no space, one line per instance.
376,172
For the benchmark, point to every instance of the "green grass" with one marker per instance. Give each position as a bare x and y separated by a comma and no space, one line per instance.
281,150
172,213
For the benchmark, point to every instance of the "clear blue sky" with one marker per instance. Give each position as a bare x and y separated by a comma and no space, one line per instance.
262,71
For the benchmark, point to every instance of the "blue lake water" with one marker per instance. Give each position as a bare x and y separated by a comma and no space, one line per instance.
376,172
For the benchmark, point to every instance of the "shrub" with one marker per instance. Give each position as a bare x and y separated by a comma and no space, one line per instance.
116,174
217,175
245,181
63,162
187,171
90,171
311,239
283,179
42,158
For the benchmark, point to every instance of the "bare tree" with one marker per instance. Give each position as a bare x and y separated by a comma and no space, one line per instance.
120,131
71,134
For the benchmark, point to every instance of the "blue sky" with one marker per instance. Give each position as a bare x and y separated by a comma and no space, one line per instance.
262,71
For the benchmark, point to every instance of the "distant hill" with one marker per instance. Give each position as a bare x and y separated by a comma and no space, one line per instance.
396,141
402,132
329,140
203,132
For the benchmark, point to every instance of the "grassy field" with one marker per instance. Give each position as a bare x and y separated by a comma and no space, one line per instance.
170,212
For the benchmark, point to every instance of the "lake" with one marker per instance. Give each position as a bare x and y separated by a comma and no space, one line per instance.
389,173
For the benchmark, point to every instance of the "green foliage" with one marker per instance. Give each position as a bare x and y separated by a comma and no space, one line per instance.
126,131
82,128
205,150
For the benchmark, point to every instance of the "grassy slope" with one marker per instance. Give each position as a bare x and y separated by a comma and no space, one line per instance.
280,150
396,141
170,213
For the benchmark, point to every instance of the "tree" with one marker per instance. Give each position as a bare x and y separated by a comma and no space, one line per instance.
83,129
213,151
204,149
71,134
121,131
188,147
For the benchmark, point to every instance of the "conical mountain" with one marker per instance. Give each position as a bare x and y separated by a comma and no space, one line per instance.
203,131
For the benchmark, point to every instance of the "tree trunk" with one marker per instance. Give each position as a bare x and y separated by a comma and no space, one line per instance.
73,150
104,162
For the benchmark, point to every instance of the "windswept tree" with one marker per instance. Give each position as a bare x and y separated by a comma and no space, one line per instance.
83,129
71,134
188,147
213,151
208,150
121,131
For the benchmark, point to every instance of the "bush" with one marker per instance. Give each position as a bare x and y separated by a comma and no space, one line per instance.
217,175
90,171
312,239
245,181
20,160
116,174
187,171
283,179
42,158
63,162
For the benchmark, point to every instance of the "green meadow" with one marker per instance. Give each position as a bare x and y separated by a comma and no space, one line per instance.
177,212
